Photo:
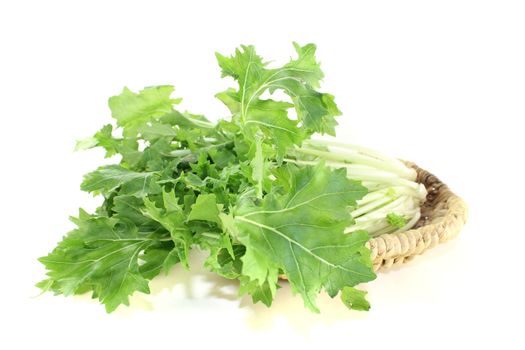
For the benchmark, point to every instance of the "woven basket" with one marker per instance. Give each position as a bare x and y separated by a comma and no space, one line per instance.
443,214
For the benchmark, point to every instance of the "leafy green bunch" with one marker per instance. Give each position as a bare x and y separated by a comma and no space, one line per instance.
224,187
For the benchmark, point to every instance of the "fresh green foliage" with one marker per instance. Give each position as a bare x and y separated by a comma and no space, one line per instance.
298,79
355,299
301,231
102,255
396,220
183,182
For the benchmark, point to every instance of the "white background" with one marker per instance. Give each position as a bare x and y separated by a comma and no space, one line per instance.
441,83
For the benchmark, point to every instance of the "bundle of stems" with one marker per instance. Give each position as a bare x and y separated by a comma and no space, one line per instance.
394,198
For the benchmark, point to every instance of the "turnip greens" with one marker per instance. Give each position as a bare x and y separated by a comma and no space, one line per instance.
254,190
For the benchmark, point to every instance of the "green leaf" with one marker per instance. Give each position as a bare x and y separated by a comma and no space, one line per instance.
396,220
224,258
355,299
102,138
264,292
298,79
101,255
131,109
256,266
108,178
129,208
205,208
173,219
187,120
156,130
259,277
86,143
302,232
155,259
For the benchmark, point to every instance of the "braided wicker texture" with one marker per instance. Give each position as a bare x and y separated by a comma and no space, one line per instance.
442,216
